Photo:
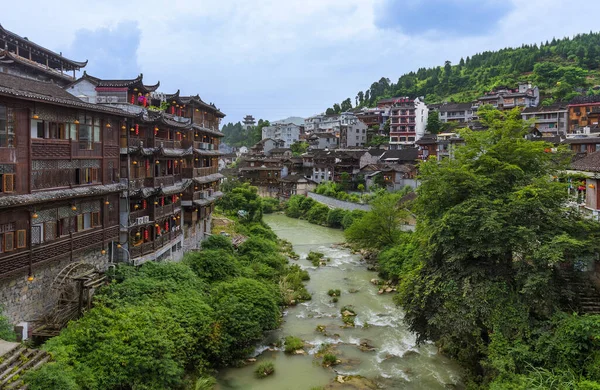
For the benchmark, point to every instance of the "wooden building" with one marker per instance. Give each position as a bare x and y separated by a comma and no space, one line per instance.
59,186
584,114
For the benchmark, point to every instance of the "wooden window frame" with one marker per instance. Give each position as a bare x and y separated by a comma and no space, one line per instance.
96,221
6,179
9,241
21,239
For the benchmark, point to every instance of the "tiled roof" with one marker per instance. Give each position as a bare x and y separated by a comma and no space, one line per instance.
590,163
120,83
409,154
45,196
559,106
48,92
585,99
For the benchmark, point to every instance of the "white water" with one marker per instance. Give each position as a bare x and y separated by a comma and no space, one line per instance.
396,363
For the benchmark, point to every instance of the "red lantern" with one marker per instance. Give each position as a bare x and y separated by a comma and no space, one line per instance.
173,110
147,164
174,197
162,201
167,225
137,129
132,99
146,234
158,230
144,204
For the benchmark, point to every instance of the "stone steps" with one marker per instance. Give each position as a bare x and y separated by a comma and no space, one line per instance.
588,296
15,362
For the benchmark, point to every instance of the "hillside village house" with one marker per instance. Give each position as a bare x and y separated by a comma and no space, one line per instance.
548,120
408,120
584,113
287,132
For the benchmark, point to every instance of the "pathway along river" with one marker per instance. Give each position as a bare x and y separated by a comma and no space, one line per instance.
396,363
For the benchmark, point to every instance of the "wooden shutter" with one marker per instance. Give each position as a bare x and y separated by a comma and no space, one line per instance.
96,219
80,222
9,242
21,239
8,182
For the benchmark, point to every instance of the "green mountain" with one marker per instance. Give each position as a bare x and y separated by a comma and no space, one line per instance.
561,69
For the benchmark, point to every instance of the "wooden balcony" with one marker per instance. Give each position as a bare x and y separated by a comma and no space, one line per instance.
164,181
86,149
147,248
63,247
137,183
167,143
162,211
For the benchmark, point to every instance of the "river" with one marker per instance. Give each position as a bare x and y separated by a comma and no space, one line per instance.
396,363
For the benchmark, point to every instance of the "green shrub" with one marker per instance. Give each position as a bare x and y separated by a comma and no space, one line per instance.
315,258
334,293
213,265
293,344
335,217
205,383
51,375
270,205
217,241
6,331
329,360
264,369
317,214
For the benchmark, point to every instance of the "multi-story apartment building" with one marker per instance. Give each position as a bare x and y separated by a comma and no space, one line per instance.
329,123
352,136
323,141
584,113
548,120
169,160
408,119
505,98
455,112
286,132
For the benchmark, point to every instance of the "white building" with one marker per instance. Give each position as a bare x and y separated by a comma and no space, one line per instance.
287,132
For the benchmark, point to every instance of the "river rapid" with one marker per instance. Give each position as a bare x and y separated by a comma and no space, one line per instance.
396,363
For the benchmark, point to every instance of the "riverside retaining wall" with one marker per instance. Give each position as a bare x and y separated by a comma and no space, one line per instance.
338,204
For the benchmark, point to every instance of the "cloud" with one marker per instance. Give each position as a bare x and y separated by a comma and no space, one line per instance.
111,51
274,58
455,17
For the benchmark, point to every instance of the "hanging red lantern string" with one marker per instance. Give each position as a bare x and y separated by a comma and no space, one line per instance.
162,201
173,110
132,99
137,129
144,204
146,234
147,164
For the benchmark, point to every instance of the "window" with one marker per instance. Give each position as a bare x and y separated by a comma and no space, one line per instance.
21,239
96,219
7,182
7,127
9,242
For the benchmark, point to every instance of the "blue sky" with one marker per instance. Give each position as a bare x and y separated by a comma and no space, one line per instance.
275,58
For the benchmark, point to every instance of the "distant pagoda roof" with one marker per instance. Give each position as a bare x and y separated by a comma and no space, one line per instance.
54,59
121,83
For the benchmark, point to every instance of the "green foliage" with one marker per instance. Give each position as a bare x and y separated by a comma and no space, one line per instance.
317,214
6,331
334,293
218,242
299,148
379,227
205,383
434,125
270,205
477,275
242,196
237,135
315,257
213,265
335,217
264,369
293,343
567,60
378,140
156,322
329,360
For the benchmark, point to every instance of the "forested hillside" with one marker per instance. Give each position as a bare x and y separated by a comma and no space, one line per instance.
561,68
237,135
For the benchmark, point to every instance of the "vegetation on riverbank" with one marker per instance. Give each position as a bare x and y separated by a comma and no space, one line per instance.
480,276
166,325
314,212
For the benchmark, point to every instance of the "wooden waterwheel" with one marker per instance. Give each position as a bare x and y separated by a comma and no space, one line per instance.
72,291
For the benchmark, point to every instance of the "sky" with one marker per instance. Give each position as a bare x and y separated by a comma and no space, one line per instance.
279,58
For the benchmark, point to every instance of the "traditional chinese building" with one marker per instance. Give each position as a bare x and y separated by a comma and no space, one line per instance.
60,187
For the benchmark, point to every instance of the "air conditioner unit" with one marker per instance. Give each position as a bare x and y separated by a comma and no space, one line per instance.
139,220
146,219
112,99
100,99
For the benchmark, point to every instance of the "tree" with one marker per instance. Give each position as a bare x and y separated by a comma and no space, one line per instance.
243,197
337,109
434,125
491,226
381,226
361,97
386,127
329,111
299,147
346,105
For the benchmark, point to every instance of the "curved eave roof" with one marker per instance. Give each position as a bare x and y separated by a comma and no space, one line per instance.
202,152
160,152
208,179
137,82
47,92
147,192
27,42
160,118
32,64
206,130
198,101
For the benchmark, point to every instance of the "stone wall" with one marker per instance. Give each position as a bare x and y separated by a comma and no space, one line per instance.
26,301
338,204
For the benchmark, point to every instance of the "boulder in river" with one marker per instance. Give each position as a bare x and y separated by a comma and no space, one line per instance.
351,382
375,281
